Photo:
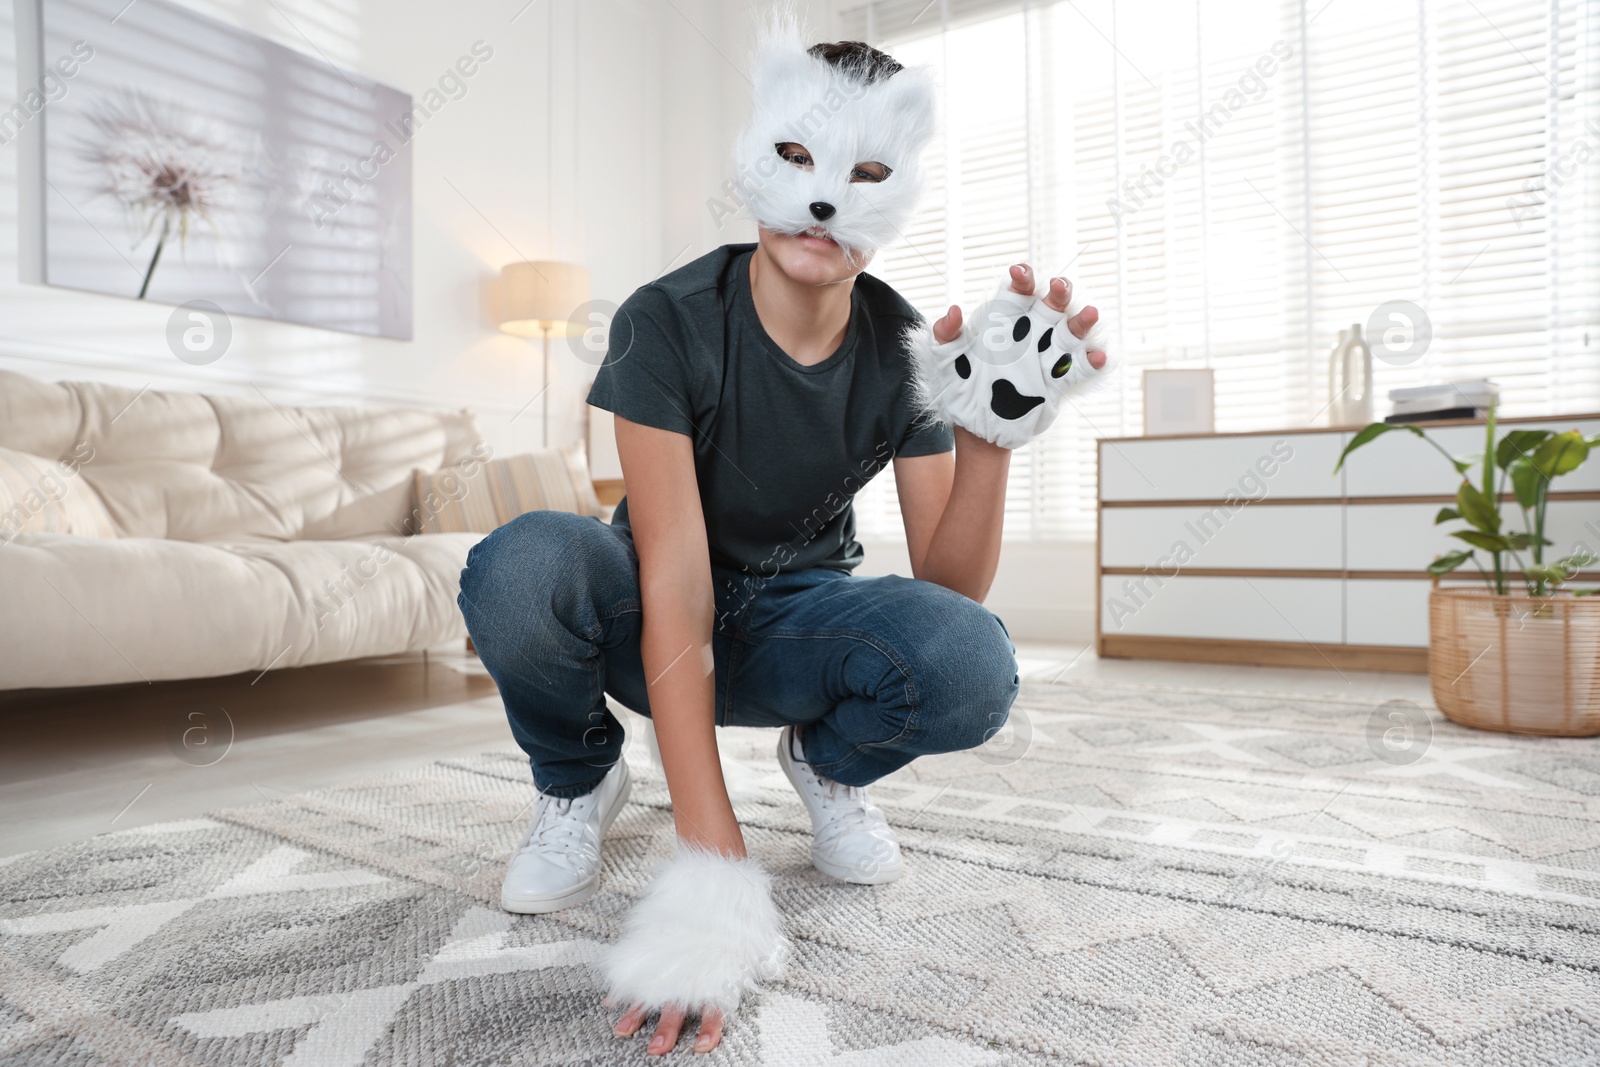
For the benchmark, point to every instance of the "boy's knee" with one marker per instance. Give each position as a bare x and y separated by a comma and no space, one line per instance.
532,560
989,696
969,681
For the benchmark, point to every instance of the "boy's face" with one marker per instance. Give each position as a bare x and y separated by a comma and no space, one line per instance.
830,162
812,260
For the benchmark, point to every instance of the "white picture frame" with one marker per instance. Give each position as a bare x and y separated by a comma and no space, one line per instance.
1179,402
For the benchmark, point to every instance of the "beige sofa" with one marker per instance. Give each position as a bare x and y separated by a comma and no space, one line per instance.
149,535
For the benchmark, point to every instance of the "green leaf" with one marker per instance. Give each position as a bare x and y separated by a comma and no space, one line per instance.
1517,444
1562,454
1586,592
1446,515
1546,572
1368,434
1522,541
1527,483
1478,508
1490,542
1449,562
1576,561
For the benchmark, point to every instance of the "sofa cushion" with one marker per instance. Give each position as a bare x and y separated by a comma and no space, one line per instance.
192,467
482,497
39,495
139,609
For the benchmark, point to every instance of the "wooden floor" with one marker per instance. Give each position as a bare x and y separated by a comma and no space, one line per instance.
75,763
78,762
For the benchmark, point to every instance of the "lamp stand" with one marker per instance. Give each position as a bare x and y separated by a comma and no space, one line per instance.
544,418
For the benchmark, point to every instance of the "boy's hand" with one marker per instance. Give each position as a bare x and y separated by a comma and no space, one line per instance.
703,934
1057,298
729,841
1004,377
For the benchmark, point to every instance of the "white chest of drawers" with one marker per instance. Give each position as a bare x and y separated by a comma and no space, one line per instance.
1248,548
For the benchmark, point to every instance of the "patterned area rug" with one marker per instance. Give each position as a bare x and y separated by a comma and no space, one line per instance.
1127,876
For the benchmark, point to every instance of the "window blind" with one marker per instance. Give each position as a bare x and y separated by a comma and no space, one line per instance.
1234,181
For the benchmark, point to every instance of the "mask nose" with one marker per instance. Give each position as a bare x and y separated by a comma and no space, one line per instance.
821,211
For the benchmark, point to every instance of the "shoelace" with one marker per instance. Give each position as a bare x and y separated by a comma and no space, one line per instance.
560,830
858,815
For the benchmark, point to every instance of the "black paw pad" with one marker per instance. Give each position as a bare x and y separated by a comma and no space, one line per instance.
1006,402
1063,365
963,367
1044,338
1020,330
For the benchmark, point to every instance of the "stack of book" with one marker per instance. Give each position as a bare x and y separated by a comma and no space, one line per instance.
1451,400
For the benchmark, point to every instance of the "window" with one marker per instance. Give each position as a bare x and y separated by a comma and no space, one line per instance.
1235,181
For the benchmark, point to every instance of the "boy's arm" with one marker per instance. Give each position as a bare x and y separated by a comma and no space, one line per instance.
669,533
651,968
954,510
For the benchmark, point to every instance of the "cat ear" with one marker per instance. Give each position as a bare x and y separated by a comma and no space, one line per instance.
781,66
910,108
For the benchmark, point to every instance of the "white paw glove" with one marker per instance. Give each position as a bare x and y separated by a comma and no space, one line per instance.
1006,374
704,933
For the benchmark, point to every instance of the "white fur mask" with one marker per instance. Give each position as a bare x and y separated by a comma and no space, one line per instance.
841,120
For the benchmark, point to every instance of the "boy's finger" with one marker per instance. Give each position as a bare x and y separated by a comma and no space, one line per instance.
948,327
1059,294
1022,279
630,1022
1083,321
710,1031
1097,358
666,1034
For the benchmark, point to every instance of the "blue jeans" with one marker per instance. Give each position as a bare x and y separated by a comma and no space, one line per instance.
879,670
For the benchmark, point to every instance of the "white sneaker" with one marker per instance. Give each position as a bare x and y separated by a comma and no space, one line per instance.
557,864
853,841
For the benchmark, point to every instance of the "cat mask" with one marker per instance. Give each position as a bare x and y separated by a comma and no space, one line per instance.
833,149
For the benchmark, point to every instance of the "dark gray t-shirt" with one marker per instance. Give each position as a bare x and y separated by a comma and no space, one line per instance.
780,448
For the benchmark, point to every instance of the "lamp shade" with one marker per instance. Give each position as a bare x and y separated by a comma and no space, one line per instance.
540,296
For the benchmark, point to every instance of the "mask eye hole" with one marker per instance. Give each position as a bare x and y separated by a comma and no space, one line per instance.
794,153
869,172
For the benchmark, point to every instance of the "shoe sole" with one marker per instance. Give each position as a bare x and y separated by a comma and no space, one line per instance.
853,875
573,897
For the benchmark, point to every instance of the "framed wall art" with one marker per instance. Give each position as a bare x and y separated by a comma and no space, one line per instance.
177,158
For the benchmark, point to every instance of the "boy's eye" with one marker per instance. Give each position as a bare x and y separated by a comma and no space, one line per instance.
869,172
794,153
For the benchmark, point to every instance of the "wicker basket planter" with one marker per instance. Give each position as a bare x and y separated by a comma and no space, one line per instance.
1516,663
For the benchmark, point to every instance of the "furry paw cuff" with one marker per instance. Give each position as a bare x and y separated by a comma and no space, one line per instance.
704,932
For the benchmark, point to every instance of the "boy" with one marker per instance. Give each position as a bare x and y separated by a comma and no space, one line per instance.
756,390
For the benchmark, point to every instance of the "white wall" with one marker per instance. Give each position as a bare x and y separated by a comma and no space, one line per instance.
1043,591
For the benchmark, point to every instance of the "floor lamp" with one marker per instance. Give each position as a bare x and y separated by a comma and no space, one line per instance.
538,299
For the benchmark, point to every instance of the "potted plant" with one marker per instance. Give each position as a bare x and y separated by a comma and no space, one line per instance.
1521,652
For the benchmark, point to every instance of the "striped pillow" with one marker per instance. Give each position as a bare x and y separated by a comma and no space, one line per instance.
480,497
39,495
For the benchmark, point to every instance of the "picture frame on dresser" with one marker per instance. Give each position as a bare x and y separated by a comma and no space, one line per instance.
1249,548
1179,401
